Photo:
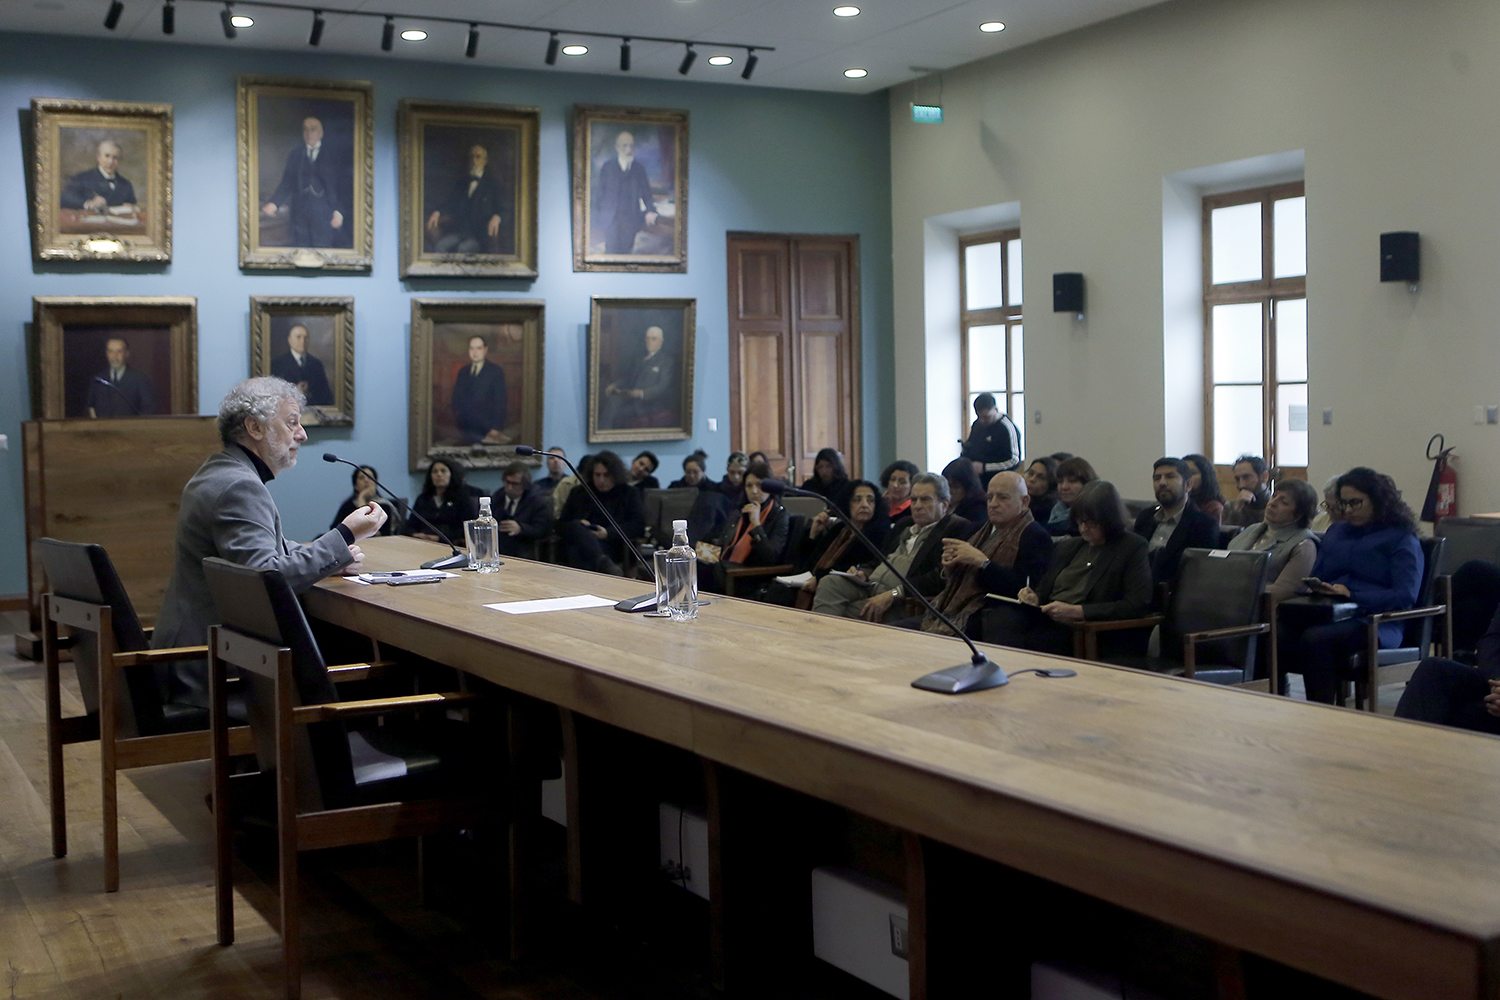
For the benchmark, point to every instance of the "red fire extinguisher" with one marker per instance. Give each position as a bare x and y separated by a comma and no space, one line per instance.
1442,491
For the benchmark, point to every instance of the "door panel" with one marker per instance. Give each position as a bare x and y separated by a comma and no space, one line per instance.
762,389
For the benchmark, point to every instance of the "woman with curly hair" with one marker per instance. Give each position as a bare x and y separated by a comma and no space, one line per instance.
1203,487
1372,558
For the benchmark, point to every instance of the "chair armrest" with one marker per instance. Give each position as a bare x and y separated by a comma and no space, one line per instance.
359,671
753,572
380,706
159,655
1233,632
1116,624
1407,615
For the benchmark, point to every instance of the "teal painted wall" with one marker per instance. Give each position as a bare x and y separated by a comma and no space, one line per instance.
760,160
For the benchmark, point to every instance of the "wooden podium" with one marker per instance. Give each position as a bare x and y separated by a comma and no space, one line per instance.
116,482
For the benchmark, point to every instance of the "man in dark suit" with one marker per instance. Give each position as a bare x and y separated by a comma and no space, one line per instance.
525,514
468,221
1174,523
302,369
479,397
645,388
623,205
101,187
120,391
309,190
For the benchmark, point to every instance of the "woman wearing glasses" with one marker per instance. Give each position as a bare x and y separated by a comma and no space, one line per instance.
1371,558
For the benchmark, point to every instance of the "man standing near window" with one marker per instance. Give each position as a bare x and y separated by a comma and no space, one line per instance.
994,443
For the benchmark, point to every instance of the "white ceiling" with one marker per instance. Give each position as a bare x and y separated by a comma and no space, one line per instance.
813,47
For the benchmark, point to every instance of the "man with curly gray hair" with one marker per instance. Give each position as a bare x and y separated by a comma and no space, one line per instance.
228,512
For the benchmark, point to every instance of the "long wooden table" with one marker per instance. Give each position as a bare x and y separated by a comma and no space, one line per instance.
1354,847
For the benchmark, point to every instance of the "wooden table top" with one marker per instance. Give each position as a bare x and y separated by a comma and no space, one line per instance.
1357,847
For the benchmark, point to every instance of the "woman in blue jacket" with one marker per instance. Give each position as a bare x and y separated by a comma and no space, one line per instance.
1371,558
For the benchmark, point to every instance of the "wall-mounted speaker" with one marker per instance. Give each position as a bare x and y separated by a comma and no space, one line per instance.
1400,258
1067,293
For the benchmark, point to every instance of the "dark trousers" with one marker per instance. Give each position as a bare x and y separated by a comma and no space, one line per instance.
1321,653
1449,694
1025,627
578,547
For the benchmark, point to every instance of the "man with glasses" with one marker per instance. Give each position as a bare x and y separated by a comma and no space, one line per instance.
525,514
1173,524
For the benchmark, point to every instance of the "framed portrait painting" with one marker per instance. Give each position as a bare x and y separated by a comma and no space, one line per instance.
307,159
468,189
103,357
308,341
630,176
641,369
476,380
102,180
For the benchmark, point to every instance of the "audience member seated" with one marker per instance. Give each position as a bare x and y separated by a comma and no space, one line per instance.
733,483
1041,484
1371,558
693,474
642,471
556,470
757,456
586,538
966,489
1203,487
1102,574
565,486
524,512
446,501
896,481
994,443
829,477
1283,532
756,538
1476,593
365,491
1073,474
1455,694
916,550
830,543
1174,523
1329,510
1010,551
1251,478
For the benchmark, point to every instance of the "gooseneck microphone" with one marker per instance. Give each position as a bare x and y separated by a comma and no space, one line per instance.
119,392
979,674
442,562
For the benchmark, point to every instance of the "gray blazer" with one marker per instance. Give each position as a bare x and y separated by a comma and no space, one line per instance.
228,512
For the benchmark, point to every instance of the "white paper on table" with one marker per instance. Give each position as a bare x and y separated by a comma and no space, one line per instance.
552,604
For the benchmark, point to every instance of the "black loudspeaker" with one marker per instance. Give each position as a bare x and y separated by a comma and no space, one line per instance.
1067,293
1400,258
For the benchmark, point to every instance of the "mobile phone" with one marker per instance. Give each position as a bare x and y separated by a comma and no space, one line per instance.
406,581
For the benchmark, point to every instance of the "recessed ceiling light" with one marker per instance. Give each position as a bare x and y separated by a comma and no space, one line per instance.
720,60
242,21
575,50
992,26
856,73
414,35
848,10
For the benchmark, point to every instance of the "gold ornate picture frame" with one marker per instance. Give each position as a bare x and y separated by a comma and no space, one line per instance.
641,360
98,357
308,341
306,174
630,189
102,180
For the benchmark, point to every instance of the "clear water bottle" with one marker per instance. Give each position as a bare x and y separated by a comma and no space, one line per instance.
677,577
484,539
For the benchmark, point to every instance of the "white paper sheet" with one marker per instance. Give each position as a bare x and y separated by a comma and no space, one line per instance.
552,604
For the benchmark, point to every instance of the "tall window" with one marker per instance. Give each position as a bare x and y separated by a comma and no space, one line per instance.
990,293
1255,325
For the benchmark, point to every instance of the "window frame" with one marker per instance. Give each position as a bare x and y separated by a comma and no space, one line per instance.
1005,315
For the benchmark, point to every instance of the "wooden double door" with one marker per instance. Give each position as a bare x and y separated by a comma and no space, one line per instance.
794,368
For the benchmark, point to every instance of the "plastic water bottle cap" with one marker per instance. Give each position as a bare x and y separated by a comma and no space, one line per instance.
679,525
484,505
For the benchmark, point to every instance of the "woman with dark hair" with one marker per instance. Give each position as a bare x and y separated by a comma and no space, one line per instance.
1073,474
896,482
829,477
756,538
643,472
967,491
757,456
1041,484
830,543
1099,575
365,491
587,539
733,483
1284,532
445,500
1203,487
1372,558
693,477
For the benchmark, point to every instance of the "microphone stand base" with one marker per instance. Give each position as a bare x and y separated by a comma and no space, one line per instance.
456,561
646,602
964,678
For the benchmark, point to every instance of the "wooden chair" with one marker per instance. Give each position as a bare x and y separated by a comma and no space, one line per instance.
334,785
118,678
1376,666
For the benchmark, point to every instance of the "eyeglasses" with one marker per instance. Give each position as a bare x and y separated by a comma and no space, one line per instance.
1354,504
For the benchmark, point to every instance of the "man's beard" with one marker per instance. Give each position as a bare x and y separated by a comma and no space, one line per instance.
280,457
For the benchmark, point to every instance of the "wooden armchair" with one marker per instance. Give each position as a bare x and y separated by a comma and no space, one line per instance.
1376,666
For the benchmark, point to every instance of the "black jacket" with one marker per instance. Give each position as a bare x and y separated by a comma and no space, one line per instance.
1196,530
624,502
533,514
1033,556
767,541
926,570
1119,582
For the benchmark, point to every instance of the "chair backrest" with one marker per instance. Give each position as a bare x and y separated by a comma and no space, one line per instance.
1228,531
665,506
808,507
1133,508
1468,539
796,535
83,571
707,516
259,603
1216,589
1418,633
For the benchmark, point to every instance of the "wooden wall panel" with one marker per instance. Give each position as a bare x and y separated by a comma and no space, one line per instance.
762,274
824,395
762,393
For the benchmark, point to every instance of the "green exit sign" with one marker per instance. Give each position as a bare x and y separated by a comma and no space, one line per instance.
927,114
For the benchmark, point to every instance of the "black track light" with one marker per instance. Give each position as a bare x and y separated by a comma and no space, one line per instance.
226,18
750,62
388,34
113,17
688,60
624,55
552,46
169,19
317,29
472,49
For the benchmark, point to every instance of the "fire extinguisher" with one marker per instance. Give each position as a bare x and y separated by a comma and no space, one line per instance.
1442,491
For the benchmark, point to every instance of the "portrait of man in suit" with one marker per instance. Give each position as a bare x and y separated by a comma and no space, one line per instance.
299,366
305,181
111,371
101,187
120,390
309,193
469,198
102,180
480,400
640,377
